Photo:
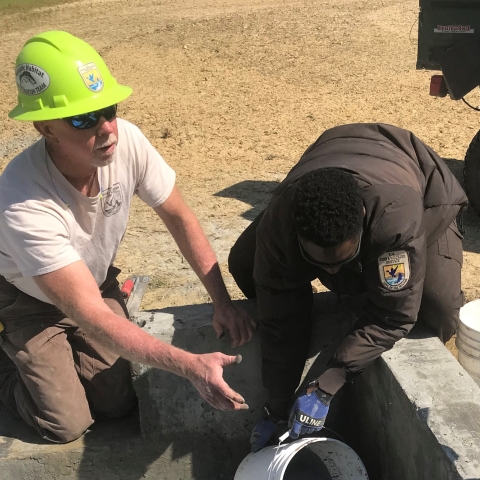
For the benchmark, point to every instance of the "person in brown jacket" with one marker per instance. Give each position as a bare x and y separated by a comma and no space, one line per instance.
369,209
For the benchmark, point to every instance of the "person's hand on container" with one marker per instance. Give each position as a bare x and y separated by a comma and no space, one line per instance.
309,412
266,430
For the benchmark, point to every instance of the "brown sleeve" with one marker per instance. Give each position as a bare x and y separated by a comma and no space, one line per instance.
390,313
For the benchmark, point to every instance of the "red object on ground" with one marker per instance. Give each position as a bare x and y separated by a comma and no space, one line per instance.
127,287
438,87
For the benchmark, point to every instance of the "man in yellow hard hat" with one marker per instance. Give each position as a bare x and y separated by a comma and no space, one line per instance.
65,202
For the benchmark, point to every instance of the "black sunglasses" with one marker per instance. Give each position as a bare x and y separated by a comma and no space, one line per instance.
90,120
311,260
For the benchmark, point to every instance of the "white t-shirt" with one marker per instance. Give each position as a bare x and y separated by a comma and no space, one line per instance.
47,224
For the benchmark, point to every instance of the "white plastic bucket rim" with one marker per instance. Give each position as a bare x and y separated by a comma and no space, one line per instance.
468,339
271,463
470,319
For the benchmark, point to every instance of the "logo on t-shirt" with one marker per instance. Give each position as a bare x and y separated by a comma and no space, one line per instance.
112,200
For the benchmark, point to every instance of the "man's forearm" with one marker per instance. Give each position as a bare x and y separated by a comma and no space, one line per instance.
132,343
194,245
196,249
123,337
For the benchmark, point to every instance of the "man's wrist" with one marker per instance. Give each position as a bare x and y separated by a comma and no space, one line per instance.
223,303
332,380
324,397
187,364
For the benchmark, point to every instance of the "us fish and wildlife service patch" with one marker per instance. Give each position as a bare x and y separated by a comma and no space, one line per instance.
394,269
91,77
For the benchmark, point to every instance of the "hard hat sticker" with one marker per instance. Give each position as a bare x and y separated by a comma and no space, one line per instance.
91,77
31,80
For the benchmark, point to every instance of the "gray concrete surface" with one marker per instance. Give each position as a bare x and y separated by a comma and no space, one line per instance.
418,412
414,414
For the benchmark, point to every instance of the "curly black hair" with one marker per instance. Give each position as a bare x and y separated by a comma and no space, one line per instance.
327,207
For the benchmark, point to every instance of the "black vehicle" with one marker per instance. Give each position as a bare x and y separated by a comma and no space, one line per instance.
449,40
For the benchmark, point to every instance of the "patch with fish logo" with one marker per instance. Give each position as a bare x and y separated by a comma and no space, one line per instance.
91,77
31,80
112,199
394,269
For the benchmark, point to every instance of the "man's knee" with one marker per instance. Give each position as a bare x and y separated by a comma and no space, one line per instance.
65,429
240,265
237,264
242,258
441,315
68,426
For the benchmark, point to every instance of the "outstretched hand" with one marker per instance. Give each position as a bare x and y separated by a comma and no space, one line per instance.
238,323
208,380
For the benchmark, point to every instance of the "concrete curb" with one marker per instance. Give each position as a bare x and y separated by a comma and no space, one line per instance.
419,411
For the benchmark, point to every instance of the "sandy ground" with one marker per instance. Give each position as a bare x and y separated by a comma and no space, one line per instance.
232,92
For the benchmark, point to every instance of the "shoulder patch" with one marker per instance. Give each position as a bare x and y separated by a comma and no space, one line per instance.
394,269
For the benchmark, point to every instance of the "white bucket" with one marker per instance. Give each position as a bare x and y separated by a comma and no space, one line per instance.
468,339
304,459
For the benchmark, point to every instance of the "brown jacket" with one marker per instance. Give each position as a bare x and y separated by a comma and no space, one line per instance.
410,197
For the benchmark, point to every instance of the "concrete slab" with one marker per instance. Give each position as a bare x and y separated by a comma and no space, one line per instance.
99,454
114,450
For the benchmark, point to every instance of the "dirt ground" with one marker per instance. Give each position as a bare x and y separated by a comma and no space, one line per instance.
232,92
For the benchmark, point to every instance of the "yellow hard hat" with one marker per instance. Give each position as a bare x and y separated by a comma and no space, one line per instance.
59,75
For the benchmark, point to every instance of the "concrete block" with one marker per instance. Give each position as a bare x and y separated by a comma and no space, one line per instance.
206,442
169,403
415,414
